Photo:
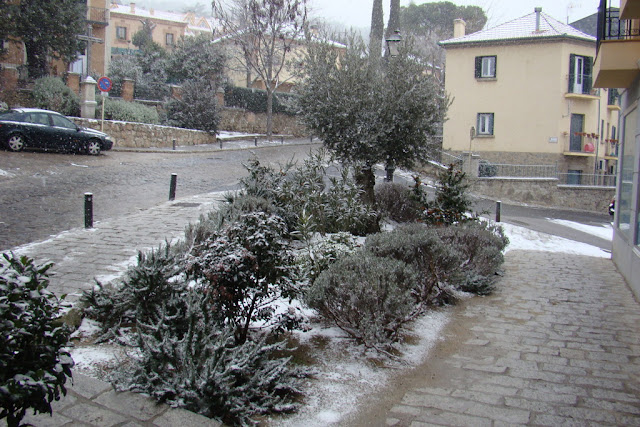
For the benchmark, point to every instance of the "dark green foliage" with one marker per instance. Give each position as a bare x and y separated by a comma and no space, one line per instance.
189,360
321,254
481,246
145,285
436,18
306,197
421,247
197,107
47,28
51,93
368,297
195,58
452,204
34,364
255,100
397,202
486,169
128,111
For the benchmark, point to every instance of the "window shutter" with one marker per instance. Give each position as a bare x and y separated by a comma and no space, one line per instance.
478,67
572,66
588,66
495,66
491,124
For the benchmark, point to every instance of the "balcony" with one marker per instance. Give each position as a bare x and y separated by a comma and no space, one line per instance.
581,88
611,149
581,144
616,64
629,9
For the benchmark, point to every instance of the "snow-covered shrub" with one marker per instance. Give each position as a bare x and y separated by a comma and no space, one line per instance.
421,247
147,284
188,360
305,193
197,108
397,202
51,93
452,203
128,111
368,297
245,268
320,254
481,245
34,364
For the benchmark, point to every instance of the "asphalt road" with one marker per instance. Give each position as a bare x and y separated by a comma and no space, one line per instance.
42,194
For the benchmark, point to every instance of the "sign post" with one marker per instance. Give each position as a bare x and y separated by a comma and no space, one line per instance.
105,85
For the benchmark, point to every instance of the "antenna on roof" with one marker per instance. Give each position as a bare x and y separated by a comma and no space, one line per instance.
570,6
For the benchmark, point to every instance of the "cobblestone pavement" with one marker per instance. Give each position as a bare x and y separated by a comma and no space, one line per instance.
557,345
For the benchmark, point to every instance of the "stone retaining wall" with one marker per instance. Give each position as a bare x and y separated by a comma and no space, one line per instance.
545,192
141,135
237,120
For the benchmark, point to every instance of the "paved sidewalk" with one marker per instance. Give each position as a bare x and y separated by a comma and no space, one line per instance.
558,344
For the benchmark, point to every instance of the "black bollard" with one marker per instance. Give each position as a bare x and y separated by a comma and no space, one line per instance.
498,207
281,140
172,187
255,141
174,144
88,210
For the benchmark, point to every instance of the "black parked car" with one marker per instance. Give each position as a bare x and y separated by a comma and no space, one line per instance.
47,130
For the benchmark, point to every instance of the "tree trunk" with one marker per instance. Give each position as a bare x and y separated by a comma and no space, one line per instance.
366,180
377,32
269,112
36,60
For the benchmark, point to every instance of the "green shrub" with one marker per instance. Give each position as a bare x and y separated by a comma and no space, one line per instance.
34,364
51,93
452,203
486,169
197,108
421,247
397,202
321,254
128,112
255,100
368,297
481,245
188,360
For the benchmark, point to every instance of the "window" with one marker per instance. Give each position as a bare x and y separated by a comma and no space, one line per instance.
580,74
485,124
169,39
121,33
624,206
62,122
486,67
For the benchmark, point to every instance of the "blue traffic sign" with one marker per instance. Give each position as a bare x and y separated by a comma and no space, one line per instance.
105,84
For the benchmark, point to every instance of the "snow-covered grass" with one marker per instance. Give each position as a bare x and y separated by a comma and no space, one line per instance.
344,372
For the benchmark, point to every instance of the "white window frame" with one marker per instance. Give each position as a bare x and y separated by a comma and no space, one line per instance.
485,124
488,67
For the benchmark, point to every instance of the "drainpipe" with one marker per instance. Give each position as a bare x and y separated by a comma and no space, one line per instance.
599,127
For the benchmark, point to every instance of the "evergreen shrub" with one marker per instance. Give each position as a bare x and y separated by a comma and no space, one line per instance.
481,245
129,112
321,254
368,297
255,100
34,363
396,202
188,360
420,246
197,108
452,203
51,93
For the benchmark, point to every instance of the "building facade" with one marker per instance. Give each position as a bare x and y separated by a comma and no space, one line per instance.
522,94
616,66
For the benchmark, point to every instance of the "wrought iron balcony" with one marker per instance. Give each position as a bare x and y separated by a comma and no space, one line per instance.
611,27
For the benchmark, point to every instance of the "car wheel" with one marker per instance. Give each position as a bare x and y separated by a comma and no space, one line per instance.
94,147
16,142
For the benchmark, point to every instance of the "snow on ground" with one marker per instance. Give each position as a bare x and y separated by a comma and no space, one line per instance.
604,231
6,174
345,373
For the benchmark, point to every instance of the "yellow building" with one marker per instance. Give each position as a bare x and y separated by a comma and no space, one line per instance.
616,66
524,90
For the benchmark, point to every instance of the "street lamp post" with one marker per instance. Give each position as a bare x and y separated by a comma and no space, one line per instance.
393,50
472,134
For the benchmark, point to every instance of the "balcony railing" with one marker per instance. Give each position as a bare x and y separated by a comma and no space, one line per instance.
597,180
611,27
581,84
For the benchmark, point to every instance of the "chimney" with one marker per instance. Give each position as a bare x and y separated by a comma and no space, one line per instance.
151,11
537,10
133,8
459,27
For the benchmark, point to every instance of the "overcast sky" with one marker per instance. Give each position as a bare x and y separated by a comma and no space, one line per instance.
357,13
